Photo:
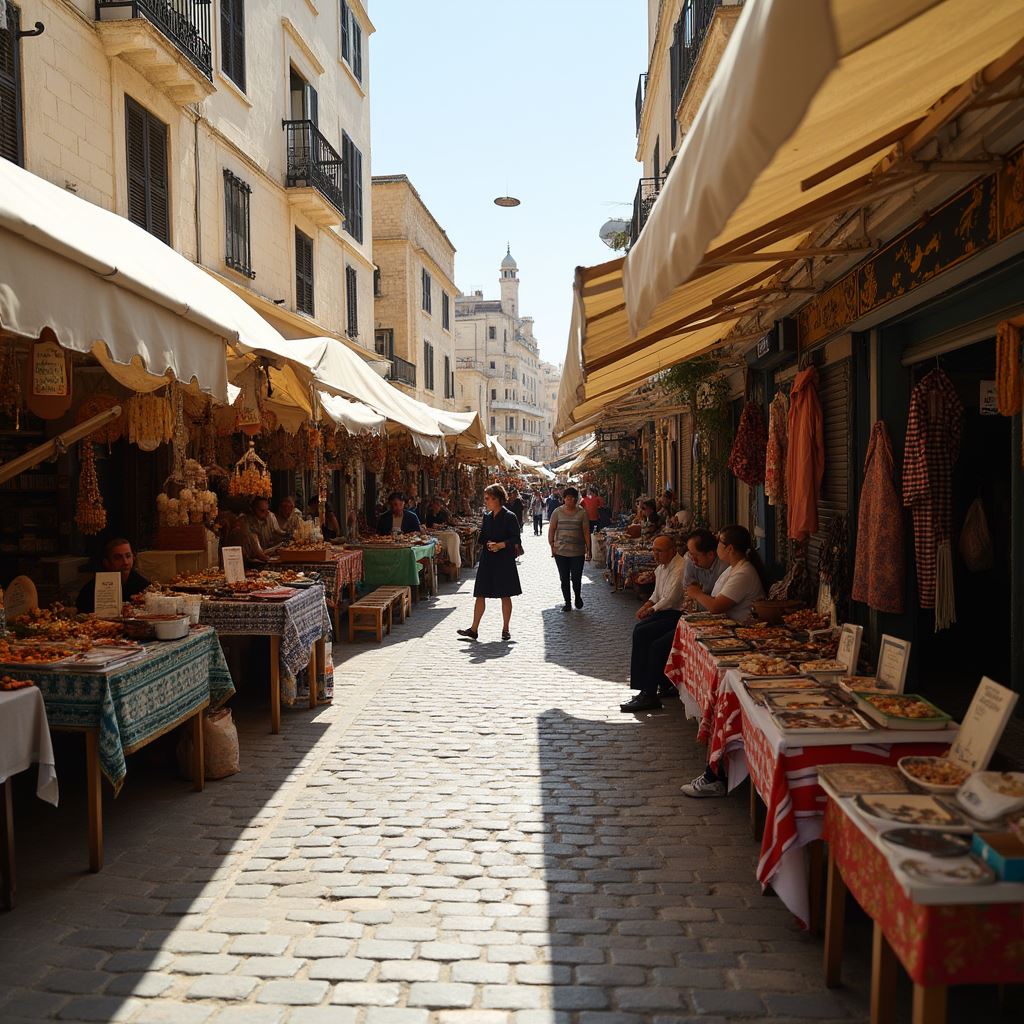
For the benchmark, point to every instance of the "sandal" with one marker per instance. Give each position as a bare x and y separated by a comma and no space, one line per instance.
506,635
471,633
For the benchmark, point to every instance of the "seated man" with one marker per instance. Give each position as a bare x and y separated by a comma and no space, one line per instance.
288,516
656,625
264,525
398,518
703,566
117,557
437,514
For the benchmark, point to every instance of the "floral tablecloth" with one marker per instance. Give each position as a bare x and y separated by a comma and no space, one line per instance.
978,943
625,556
336,573
395,566
134,705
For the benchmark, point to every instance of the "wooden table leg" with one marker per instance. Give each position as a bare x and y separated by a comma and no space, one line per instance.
7,871
815,871
929,1004
883,978
312,673
93,781
321,660
351,591
835,924
198,752
275,684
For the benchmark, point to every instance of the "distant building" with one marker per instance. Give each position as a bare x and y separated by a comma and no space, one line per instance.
551,378
498,369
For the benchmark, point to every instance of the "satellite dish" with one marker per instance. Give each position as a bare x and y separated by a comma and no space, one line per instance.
612,231
506,201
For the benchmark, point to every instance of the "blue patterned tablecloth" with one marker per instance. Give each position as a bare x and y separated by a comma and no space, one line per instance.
299,622
136,704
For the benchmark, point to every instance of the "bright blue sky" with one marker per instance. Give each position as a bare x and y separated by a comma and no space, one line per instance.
471,98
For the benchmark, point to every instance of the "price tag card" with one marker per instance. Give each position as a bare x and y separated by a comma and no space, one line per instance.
983,725
108,595
234,565
849,646
893,659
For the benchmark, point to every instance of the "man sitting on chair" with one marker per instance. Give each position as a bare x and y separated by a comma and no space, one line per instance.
398,517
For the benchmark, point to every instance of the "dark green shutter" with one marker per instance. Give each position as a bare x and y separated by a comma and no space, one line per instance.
146,156
10,88
232,40
304,292
357,50
346,47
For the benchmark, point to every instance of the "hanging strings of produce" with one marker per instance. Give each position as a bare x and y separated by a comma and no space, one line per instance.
90,515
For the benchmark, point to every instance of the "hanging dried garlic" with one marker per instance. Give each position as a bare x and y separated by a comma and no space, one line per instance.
150,421
90,515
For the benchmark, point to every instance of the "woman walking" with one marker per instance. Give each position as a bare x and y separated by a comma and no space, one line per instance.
497,575
569,537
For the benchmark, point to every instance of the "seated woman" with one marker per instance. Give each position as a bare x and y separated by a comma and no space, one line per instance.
743,583
650,524
235,532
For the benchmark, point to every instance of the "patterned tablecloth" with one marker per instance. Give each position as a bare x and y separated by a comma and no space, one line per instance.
299,622
395,566
336,573
625,556
695,673
134,705
962,943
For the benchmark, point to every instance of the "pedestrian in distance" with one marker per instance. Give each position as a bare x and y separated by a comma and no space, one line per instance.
496,575
569,537
593,503
554,499
537,511
516,506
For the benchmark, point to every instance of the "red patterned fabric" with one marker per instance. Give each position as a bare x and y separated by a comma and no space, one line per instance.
691,667
775,457
747,458
962,944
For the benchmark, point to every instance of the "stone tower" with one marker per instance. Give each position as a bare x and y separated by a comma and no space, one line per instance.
509,284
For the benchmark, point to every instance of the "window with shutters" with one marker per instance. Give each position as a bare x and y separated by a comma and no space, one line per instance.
494,394
428,366
446,311
351,40
378,290
232,40
11,132
352,301
425,283
492,334
237,243
346,29
352,187
357,49
303,273
146,156
449,390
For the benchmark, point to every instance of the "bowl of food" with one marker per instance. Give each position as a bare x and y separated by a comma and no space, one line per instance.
170,627
138,629
773,611
933,774
988,795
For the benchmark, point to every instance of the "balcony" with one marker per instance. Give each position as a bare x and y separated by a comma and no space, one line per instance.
166,41
641,92
700,38
466,363
402,372
314,175
503,404
643,202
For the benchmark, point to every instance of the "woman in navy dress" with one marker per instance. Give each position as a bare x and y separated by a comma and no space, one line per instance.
497,575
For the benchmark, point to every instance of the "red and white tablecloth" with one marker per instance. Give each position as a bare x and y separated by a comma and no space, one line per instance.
695,673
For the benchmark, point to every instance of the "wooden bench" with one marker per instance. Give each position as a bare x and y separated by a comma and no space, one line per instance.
402,599
371,614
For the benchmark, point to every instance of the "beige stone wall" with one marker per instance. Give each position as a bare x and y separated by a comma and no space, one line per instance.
74,112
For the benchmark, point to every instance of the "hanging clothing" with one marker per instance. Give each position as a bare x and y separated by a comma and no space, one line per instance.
747,458
805,454
929,452
879,571
775,455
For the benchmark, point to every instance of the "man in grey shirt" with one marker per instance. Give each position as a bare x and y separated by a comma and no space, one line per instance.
703,566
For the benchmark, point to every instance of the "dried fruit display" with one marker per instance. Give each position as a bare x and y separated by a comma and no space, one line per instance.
150,421
90,515
250,478
747,459
10,384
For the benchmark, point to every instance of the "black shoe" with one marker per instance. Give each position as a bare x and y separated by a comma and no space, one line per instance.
579,601
470,633
641,702
668,690
566,607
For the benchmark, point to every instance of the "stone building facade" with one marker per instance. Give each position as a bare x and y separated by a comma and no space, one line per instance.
414,293
498,364
550,379
237,131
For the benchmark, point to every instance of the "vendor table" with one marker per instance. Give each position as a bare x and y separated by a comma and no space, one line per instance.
122,710
942,935
340,571
626,557
696,674
298,629
24,740
451,542
396,565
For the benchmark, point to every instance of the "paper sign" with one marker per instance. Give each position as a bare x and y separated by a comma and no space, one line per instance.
893,659
21,595
983,725
849,646
49,369
987,403
108,595
234,565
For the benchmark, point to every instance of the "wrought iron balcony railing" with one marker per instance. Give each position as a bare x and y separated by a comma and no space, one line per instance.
185,22
641,92
313,161
646,194
694,23
402,371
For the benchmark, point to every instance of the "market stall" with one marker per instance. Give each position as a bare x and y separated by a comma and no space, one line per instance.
340,571
398,562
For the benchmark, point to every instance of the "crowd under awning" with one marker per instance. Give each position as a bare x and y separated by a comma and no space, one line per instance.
800,122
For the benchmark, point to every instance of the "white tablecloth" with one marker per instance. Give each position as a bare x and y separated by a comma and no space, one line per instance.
25,738
452,544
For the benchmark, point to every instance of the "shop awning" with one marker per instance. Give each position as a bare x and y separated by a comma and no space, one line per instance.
97,279
796,126
500,456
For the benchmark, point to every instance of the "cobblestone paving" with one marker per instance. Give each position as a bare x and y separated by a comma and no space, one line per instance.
472,833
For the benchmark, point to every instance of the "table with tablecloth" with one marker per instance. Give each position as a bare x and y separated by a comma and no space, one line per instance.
123,709
394,565
343,569
626,557
296,627
450,542
24,741
942,935
696,674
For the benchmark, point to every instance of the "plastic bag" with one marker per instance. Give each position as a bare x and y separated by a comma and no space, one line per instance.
220,747
975,539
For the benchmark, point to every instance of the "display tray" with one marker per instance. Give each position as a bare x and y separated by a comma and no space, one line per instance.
929,841
724,646
307,555
819,720
854,779
866,702
801,700
963,871
273,594
918,809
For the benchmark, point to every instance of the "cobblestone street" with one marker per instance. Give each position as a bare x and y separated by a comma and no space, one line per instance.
472,832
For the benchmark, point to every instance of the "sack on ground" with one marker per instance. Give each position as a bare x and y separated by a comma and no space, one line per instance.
975,539
220,747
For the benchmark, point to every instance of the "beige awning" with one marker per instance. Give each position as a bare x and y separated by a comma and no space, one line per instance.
103,284
795,127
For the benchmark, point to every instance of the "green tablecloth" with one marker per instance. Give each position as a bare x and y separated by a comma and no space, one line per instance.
394,566
135,704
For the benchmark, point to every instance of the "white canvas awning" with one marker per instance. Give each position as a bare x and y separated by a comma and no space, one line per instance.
96,279
501,456
807,101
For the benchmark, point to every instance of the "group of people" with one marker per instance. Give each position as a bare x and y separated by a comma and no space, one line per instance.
398,517
260,531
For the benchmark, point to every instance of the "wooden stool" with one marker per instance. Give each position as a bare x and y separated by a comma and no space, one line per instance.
370,614
401,599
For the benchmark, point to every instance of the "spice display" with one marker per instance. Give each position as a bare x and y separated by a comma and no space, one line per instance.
185,499
1008,371
747,458
90,515
150,421
250,477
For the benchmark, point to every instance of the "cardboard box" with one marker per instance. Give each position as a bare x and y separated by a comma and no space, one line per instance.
1001,851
